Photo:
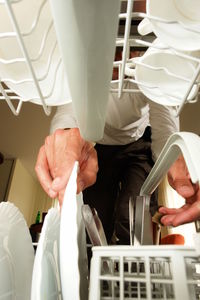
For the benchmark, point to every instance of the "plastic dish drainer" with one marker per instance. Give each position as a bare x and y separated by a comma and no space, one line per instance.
126,42
147,272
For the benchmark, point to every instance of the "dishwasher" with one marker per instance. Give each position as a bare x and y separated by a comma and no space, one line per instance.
40,41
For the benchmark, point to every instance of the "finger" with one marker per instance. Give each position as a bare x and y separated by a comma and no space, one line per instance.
42,171
55,145
61,197
184,187
49,150
170,214
188,215
179,178
59,183
192,212
167,220
68,145
85,181
182,184
171,211
88,171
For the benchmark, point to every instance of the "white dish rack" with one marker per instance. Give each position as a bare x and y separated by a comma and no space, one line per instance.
147,272
15,101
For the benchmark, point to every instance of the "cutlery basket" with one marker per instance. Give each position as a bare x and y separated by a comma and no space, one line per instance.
145,272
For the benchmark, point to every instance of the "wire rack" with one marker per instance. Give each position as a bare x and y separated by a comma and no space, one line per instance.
127,42
54,66
27,61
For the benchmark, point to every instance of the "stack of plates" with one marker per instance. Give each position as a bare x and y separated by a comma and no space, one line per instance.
17,254
61,257
46,278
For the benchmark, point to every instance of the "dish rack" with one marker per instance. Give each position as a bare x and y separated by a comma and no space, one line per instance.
15,101
25,58
151,272
126,42
146,272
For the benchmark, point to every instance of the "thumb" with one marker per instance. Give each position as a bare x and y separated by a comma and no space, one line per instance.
179,179
184,187
182,184
60,182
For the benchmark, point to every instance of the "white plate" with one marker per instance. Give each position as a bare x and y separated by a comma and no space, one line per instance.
185,11
73,255
16,253
25,12
46,278
170,90
189,9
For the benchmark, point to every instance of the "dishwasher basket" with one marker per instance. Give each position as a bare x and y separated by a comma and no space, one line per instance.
145,272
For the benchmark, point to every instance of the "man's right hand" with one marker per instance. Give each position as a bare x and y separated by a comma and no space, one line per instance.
56,159
179,179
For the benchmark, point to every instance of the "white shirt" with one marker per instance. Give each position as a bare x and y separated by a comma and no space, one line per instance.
126,120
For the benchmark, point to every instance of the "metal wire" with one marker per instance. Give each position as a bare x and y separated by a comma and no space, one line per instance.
126,42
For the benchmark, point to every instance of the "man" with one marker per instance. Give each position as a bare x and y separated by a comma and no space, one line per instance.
124,161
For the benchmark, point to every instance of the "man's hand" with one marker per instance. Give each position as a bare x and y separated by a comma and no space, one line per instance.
179,179
56,159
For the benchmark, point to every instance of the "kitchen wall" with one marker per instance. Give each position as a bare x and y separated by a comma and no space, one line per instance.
20,138
189,118
26,193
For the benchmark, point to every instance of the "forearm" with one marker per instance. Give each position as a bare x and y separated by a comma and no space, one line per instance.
63,118
163,124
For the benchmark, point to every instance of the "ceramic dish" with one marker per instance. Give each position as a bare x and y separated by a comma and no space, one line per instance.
184,35
46,62
46,275
17,254
164,77
73,256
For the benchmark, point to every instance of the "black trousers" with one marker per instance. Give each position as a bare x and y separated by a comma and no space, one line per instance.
122,171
